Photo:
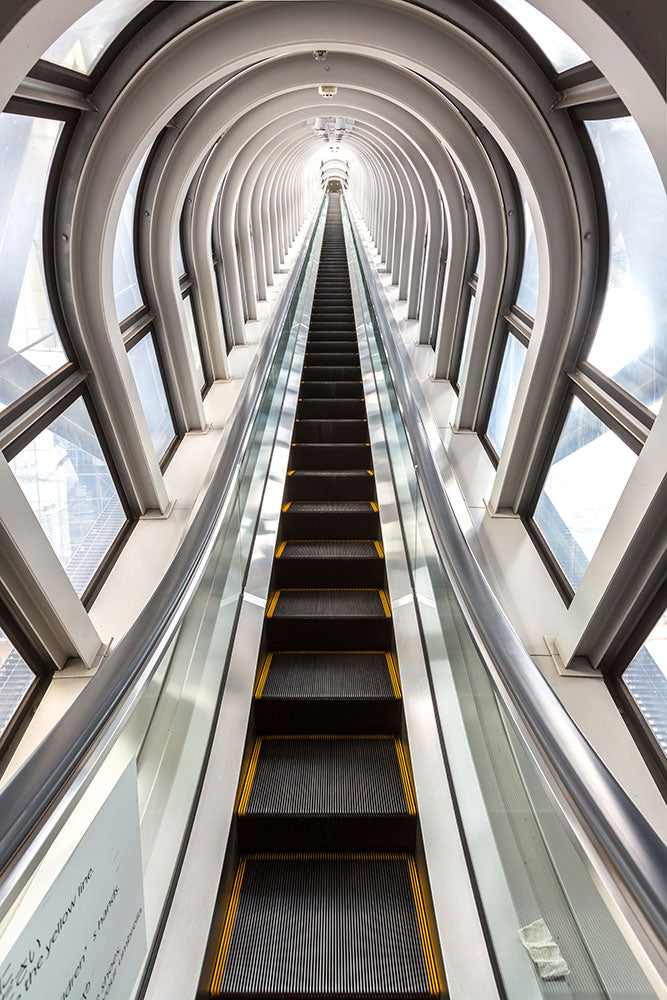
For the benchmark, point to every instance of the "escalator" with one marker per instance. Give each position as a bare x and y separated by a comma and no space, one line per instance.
328,897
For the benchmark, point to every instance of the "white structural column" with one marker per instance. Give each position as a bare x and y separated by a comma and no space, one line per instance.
621,576
34,585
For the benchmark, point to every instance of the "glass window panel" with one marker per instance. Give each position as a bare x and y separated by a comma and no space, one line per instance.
530,275
194,340
125,281
503,400
631,341
646,679
30,348
147,375
561,51
82,45
180,264
466,337
65,477
16,678
588,473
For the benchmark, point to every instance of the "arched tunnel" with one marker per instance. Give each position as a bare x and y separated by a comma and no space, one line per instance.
333,575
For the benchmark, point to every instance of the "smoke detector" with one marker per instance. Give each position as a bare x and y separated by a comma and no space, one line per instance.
328,92
320,55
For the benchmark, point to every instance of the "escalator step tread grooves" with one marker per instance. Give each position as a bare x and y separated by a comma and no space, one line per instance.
328,675
320,776
326,926
331,506
329,604
333,549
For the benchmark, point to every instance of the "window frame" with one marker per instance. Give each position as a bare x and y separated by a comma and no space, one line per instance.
134,335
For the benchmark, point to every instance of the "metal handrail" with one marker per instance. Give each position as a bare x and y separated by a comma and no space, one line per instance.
627,843
31,793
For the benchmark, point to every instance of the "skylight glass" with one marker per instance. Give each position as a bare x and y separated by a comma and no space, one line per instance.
85,42
561,51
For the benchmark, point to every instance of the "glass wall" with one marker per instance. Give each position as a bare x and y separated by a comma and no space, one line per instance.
30,347
67,482
85,42
588,473
530,275
146,370
645,679
16,679
631,341
503,400
194,341
563,53
127,293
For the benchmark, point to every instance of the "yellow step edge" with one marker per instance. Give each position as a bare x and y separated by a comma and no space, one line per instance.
405,775
380,550
272,604
249,775
427,947
219,968
286,506
385,603
261,680
373,504
280,549
393,674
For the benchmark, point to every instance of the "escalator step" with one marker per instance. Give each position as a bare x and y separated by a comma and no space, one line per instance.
309,507
307,563
345,603
317,389
336,484
330,431
325,776
336,455
330,549
337,926
328,676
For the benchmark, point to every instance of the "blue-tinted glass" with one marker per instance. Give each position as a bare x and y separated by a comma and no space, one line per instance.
562,52
16,678
530,275
147,375
125,281
194,341
631,342
30,348
588,473
503,401
65,477
646,679
81,46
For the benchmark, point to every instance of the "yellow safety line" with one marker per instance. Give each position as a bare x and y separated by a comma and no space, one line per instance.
216,980
405,775
280,549
261,680
385,604
329,856
374,506
343,652
380,550
250,774
291,472
287,506
370,472
431,968
272,604
393,673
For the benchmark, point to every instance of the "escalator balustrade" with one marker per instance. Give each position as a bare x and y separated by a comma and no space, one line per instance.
326,899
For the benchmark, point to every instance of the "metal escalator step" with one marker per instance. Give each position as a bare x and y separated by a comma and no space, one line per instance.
331,409
328,676
346,603
331,506
337,926
324,431
330,549
330,484
328,775
316,389
330,455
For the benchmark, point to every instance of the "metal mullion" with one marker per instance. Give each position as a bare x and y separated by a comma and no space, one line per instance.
605,407
43,92
626,400
32,397
518,326
136,325
50,72
45,408
185,283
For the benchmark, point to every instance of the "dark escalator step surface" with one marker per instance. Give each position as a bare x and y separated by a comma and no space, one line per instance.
317,389
329,431
331,455
330,549
309,562
337,926
330,484
345,603
328,676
